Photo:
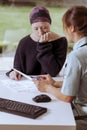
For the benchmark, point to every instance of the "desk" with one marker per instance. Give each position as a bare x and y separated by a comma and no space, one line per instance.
59,115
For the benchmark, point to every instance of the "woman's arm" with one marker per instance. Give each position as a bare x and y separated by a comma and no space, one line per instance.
47,84
52,55
17,63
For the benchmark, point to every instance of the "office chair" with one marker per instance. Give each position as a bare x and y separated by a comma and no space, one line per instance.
78,117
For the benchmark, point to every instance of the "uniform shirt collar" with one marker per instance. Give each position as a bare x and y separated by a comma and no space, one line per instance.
79,43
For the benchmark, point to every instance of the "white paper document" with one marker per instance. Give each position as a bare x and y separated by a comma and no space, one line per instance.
23,85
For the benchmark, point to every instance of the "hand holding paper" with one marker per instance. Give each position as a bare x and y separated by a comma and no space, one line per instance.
26,76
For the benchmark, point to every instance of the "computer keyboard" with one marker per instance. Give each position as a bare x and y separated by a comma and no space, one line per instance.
20,108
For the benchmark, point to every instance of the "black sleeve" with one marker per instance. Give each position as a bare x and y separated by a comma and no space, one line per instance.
18,59
52,55
7,73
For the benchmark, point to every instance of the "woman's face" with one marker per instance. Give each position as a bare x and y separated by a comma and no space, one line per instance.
40,28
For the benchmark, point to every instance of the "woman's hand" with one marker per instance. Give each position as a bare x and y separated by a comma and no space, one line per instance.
49,36
14,75
44,81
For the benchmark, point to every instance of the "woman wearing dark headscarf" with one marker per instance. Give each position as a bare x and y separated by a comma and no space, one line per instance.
41,52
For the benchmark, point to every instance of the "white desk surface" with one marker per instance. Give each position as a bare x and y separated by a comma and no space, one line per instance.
59,114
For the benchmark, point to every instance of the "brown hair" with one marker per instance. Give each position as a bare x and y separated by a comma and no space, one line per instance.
76,16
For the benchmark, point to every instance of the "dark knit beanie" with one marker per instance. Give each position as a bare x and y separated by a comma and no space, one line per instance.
39,14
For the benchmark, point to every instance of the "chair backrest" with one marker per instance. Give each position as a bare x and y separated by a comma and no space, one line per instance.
11,40
12,36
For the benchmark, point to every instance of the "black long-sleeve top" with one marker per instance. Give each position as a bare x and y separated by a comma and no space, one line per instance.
34,58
